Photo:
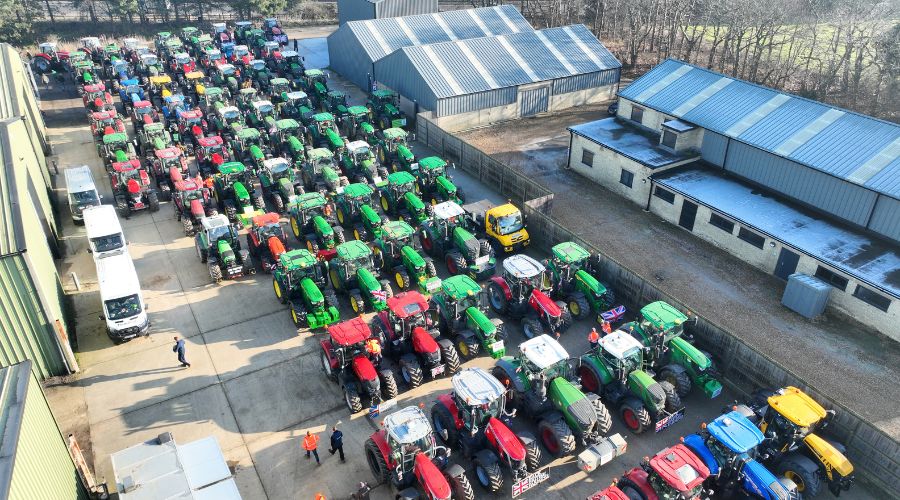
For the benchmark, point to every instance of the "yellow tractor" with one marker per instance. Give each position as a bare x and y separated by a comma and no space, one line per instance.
789,419
504,226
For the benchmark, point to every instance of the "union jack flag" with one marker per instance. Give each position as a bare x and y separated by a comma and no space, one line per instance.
379,294
614,314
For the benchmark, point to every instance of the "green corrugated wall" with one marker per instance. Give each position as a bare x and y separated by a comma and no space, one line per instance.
43,468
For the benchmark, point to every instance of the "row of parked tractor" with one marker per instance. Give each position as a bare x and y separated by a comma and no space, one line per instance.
240,135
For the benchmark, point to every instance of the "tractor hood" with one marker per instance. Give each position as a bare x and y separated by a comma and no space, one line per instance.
329,175
698,446
256,153
432,480
240,192
736,432
414,203
312,292
642,383
197,208
367,280
465,241
285,186
370,216
690,352
590,282
323,228
225,251
363,369
573,403
481,320
446,185
412,256
405,154
507,440
760,481
423,342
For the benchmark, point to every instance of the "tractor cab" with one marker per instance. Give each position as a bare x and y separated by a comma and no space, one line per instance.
263,111
675,472
359,152
394,236
291,64
142,114
196,82
428,169
348,341
661,322
221,35
173,105
271,51
228,116
181,63
202,42
189,119
278,87
211,58
284,129
217,228
526,273
274,31
295,104
232,172
160,86
106,122
621,352
246,97
323,122
242,30
246,138
154,136
356,124
241,55
479,397
189,190
543,359
50,49
257,65
315,83
115,147
300,264
130,91
213,97
263,228
448,216
211,152
570,269
394,138
222,72
409,436
91,45
459,293
320,158
172,46
170,158
189,32
275,169
84,71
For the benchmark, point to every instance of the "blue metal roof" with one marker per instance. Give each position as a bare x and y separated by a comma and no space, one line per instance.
487,63
380,37
854,147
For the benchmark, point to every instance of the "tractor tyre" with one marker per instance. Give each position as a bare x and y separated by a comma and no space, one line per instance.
360,233
357,303
201,252
153,201
461,487
468,346
331,299
354,403
565,316
335,281
279,293
429,210
532,327
497,298
579,306
630,490
411,371
312,244
388,385
188,226
259,202
511,395
341,217
377,463
635,415
489,476
377,258
557,437
501,333
803,472
215,272
385,204
279,203
382,172
298,317
456,263
326,367
673,401
231,212
339,237
449,356
402,279
295,228
604,419
484,247
430,270
444,425
386,286
678,377
532,456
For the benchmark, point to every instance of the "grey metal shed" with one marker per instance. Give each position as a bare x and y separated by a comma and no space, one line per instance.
357,10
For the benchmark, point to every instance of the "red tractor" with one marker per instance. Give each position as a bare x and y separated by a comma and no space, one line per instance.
673,473
404,453
132,189
471,419
410,335
211,152
610,493
143,113
263,230
96,98
50,59
191,201
164,162
347,362
106,122
521,292
191,128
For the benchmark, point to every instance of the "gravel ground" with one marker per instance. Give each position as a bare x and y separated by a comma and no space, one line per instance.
854,365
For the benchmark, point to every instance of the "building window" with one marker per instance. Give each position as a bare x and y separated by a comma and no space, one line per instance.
872,298
721,223
637,114
832,278
664,194
669,138
626,178
751,237
587,158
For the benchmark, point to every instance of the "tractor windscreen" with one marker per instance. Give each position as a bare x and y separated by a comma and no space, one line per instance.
123,307
194,194
107,243
183,59
217,233
509,224
132,89
231,114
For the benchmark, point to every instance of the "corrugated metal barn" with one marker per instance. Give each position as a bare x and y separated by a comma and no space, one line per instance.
32,322
528,72
355,46
843,163
356,10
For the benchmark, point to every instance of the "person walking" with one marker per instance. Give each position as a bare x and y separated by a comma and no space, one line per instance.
337,442
594,338
179,348
311,445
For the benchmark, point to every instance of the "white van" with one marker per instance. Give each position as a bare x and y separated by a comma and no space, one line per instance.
82,193
104,232
124,309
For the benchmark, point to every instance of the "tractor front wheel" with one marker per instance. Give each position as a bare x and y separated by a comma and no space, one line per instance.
388,385
377,462
357,303
678,377
604,420
402,279
456,263
326,366
299,317
449,356
532,456
566,316
153,201
411,371
295,228
635,416
557,437
461,487
215,272
467,346
489,476
673,401
532,327
279,293
803,472
354,403
497,298
579,306
335,279
444,424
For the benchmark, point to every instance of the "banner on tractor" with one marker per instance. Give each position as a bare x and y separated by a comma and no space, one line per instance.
379,295
530,481
614,314
670,420
378,409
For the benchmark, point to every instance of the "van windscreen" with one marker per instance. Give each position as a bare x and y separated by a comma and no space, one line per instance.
84,198
107,243
123,307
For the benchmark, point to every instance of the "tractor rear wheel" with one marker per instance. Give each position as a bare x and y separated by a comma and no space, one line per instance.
631,490
295,228
604,420
449,356
386,286
444,424
352,400
377,463
803,472
279,293
462,488
411,371
468,346
335,280
153,201
566,316
357,303
430,270
402,279
388,385
259,202
312,244
489,475
341,218
532,456
673,401
299,317
188,226
579,306
326,366
385,204
678,377
278,202
382,172
456,263
497,298
557,437
532,327
635,416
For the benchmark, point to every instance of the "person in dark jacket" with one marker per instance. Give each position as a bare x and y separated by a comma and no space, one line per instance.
179,348
337,442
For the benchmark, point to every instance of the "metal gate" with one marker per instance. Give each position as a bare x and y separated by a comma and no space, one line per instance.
534,101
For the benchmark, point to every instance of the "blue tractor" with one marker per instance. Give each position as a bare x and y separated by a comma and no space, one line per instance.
172,105
130,91
728,447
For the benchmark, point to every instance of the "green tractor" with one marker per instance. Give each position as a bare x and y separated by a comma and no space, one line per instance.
395,253
355,125
573,281
115,148
434,181
288,140
226,120
461,307
245,98
670,352
384,107
259,74
296,105
312,223
336,104
398,198
322,132
448,234
279,181
153,137
352,272
299,279
542,385
262,116
358,163
225,76
220,249
353,208
614,370
320,173
280,87
394,151
250,147
234,192
315,84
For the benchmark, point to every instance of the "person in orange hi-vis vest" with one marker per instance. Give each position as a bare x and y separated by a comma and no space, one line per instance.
607,328
311,445
373,347
594,338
